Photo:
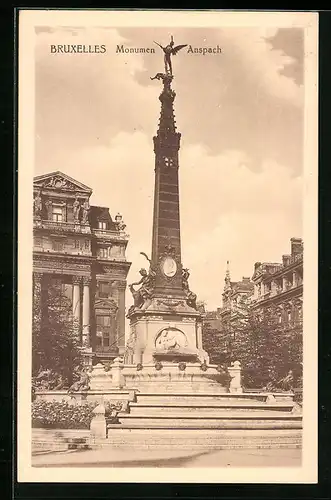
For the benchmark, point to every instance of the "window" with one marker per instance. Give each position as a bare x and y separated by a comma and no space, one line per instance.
102,225
57,214
103,320
57,246
104,333
103,253
104,290
168,161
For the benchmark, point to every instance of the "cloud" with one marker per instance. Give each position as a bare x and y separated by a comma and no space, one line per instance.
237,100
264,63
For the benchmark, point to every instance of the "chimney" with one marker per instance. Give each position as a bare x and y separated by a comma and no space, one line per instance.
296,246
286,260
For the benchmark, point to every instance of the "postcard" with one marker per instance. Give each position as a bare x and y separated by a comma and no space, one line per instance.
167,206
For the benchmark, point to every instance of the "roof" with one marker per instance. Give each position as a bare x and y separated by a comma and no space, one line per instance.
65,182
101,214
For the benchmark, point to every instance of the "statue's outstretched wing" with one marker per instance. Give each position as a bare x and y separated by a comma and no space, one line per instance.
177,48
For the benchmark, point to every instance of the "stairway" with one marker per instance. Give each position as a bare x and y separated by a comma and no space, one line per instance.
208,421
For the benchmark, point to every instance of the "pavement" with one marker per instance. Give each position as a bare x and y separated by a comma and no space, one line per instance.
107,457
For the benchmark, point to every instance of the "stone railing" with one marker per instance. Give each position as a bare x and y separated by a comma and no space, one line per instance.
74,227
107,234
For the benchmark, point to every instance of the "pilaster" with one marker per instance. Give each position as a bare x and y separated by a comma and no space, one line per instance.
37,288
86,341
121,287
76,303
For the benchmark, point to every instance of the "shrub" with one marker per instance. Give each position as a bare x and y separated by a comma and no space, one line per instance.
67,415
61,414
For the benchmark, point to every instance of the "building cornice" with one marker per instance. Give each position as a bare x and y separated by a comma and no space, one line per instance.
279,297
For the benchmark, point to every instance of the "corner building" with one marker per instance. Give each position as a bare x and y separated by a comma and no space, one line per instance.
80,248
280,285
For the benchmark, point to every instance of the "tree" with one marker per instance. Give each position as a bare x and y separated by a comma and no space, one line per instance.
215,342
55,344
268,350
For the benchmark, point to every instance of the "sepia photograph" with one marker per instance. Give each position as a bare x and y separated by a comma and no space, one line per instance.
167,280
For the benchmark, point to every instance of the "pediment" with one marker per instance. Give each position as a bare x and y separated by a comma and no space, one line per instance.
106,304
58,181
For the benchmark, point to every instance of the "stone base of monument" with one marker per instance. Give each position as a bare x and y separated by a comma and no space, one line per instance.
207,420
165,376
192,405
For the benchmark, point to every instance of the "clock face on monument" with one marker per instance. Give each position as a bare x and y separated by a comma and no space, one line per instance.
169,267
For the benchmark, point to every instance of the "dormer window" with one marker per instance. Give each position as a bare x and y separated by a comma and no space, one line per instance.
57,214
102,225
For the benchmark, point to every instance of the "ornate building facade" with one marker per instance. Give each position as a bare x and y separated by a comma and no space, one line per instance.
280,285
82,249
275,285
235,297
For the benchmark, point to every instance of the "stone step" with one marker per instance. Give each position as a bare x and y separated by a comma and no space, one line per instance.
195,398
201,408
46,440
231,421
208,439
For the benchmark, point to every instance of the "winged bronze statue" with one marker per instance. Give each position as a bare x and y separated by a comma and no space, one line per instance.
169,51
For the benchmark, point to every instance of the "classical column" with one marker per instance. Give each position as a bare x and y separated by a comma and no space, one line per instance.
49,206
76,281
86,311
256,290
284,284
121,314
262,288
37,278
273,288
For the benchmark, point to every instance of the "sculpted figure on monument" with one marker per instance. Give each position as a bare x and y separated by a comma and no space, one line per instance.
119,222
146,289
185,277
76,208
191,298
169,51
86,211
170,339
37,204
83,384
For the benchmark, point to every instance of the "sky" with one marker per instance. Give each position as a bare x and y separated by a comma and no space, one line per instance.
240,114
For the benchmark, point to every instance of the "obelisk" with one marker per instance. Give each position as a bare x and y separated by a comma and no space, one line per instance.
164,320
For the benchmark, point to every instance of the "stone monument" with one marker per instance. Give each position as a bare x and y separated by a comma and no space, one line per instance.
164,321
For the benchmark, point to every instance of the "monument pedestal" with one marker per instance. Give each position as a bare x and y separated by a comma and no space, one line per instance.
166,330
